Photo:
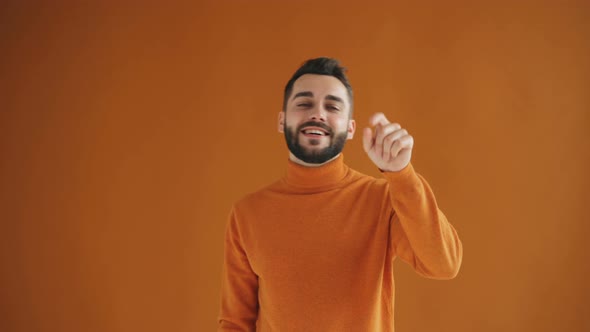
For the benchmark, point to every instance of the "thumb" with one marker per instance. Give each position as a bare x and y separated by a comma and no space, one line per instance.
367,139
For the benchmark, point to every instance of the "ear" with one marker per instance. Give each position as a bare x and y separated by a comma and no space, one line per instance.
351,129
281,122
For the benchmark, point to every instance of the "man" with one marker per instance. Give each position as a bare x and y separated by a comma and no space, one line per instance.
314,251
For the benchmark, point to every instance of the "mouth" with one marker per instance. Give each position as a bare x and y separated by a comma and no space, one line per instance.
314,132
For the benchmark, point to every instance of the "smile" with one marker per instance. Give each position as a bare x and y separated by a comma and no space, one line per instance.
314,131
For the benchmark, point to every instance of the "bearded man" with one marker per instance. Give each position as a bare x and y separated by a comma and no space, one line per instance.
314,251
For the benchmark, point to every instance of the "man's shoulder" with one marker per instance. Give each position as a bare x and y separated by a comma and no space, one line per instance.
279,189
364,179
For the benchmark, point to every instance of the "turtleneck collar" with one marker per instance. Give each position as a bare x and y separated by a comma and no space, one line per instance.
323,176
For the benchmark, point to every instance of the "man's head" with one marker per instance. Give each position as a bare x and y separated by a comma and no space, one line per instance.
317,111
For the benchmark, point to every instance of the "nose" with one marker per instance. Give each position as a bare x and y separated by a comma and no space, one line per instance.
318,113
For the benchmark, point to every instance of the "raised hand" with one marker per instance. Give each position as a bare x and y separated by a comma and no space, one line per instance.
389,146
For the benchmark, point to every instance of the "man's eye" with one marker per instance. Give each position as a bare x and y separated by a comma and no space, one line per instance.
304,105
332,108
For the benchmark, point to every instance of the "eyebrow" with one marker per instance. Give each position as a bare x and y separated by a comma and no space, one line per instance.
335,98
310,94
303,94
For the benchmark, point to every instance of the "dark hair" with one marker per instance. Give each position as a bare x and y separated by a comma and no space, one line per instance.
319,66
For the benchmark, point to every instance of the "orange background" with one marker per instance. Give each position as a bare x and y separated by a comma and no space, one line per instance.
127,131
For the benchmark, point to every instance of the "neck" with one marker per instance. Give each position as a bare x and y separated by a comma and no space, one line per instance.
303,163
325,176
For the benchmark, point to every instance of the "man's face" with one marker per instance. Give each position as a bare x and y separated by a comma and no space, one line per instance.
316,122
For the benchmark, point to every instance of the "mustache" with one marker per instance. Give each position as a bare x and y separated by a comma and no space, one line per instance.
315,124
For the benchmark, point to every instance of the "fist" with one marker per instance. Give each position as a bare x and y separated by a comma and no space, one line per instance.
388,145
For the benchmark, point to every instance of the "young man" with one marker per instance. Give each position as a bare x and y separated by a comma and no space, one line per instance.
314,251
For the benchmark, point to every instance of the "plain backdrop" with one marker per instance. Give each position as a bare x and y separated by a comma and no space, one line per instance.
127,130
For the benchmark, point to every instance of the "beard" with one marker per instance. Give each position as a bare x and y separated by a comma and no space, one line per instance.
314,156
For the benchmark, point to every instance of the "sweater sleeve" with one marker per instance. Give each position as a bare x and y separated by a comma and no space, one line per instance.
420,233
239,288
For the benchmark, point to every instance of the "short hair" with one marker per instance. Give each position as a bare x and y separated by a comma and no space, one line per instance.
319,66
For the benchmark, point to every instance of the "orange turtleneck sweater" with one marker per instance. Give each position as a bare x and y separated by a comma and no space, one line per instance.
314,251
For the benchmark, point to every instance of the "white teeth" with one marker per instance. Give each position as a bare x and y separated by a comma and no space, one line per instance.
313,131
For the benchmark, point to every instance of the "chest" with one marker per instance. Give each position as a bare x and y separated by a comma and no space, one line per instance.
331,232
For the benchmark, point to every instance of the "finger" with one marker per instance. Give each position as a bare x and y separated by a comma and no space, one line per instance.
404,142
368,139
378,118
392,136
387,131
378,144
382,139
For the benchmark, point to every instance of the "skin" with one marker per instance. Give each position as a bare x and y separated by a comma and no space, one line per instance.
388,145
324,99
